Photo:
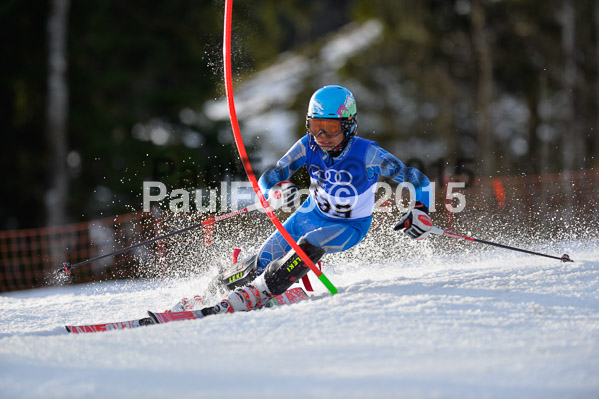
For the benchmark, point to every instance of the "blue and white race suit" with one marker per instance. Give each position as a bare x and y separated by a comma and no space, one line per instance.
338,212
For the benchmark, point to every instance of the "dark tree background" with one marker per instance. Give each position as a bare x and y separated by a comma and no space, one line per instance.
137,73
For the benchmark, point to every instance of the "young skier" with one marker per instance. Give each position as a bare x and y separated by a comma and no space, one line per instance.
344,170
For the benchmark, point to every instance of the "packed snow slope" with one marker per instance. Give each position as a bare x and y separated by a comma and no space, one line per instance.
494,324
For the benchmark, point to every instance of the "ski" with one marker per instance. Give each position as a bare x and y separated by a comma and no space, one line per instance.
290,296
167,317
119,325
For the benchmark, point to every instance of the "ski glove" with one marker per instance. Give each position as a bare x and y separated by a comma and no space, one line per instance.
415,223
283,195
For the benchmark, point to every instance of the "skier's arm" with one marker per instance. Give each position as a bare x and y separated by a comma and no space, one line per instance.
381,162
290,163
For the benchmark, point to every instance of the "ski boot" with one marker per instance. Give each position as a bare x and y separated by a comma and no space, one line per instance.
276,279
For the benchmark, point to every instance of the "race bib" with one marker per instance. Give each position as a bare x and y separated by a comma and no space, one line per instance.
336,195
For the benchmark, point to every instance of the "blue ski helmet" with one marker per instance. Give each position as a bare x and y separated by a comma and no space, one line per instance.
335,102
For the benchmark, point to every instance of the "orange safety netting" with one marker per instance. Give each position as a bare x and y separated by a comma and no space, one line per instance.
28,257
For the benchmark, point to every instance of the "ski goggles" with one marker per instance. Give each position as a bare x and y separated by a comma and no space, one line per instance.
329,127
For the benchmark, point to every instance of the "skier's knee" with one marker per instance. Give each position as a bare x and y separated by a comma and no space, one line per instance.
289,268
240,274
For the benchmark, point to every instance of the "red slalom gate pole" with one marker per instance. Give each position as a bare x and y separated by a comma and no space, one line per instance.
244,157
441,232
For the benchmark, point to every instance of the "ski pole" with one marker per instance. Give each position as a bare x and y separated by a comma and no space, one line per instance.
441,232
68,267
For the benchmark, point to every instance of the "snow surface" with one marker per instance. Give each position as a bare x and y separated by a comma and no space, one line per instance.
488,325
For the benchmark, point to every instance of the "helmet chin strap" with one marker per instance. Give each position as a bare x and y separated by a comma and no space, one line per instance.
335,152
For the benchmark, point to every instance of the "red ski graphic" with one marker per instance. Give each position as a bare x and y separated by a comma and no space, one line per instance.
167,317
288,297
120,325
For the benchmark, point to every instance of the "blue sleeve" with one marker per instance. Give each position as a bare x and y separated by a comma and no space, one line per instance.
381,162
290,163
